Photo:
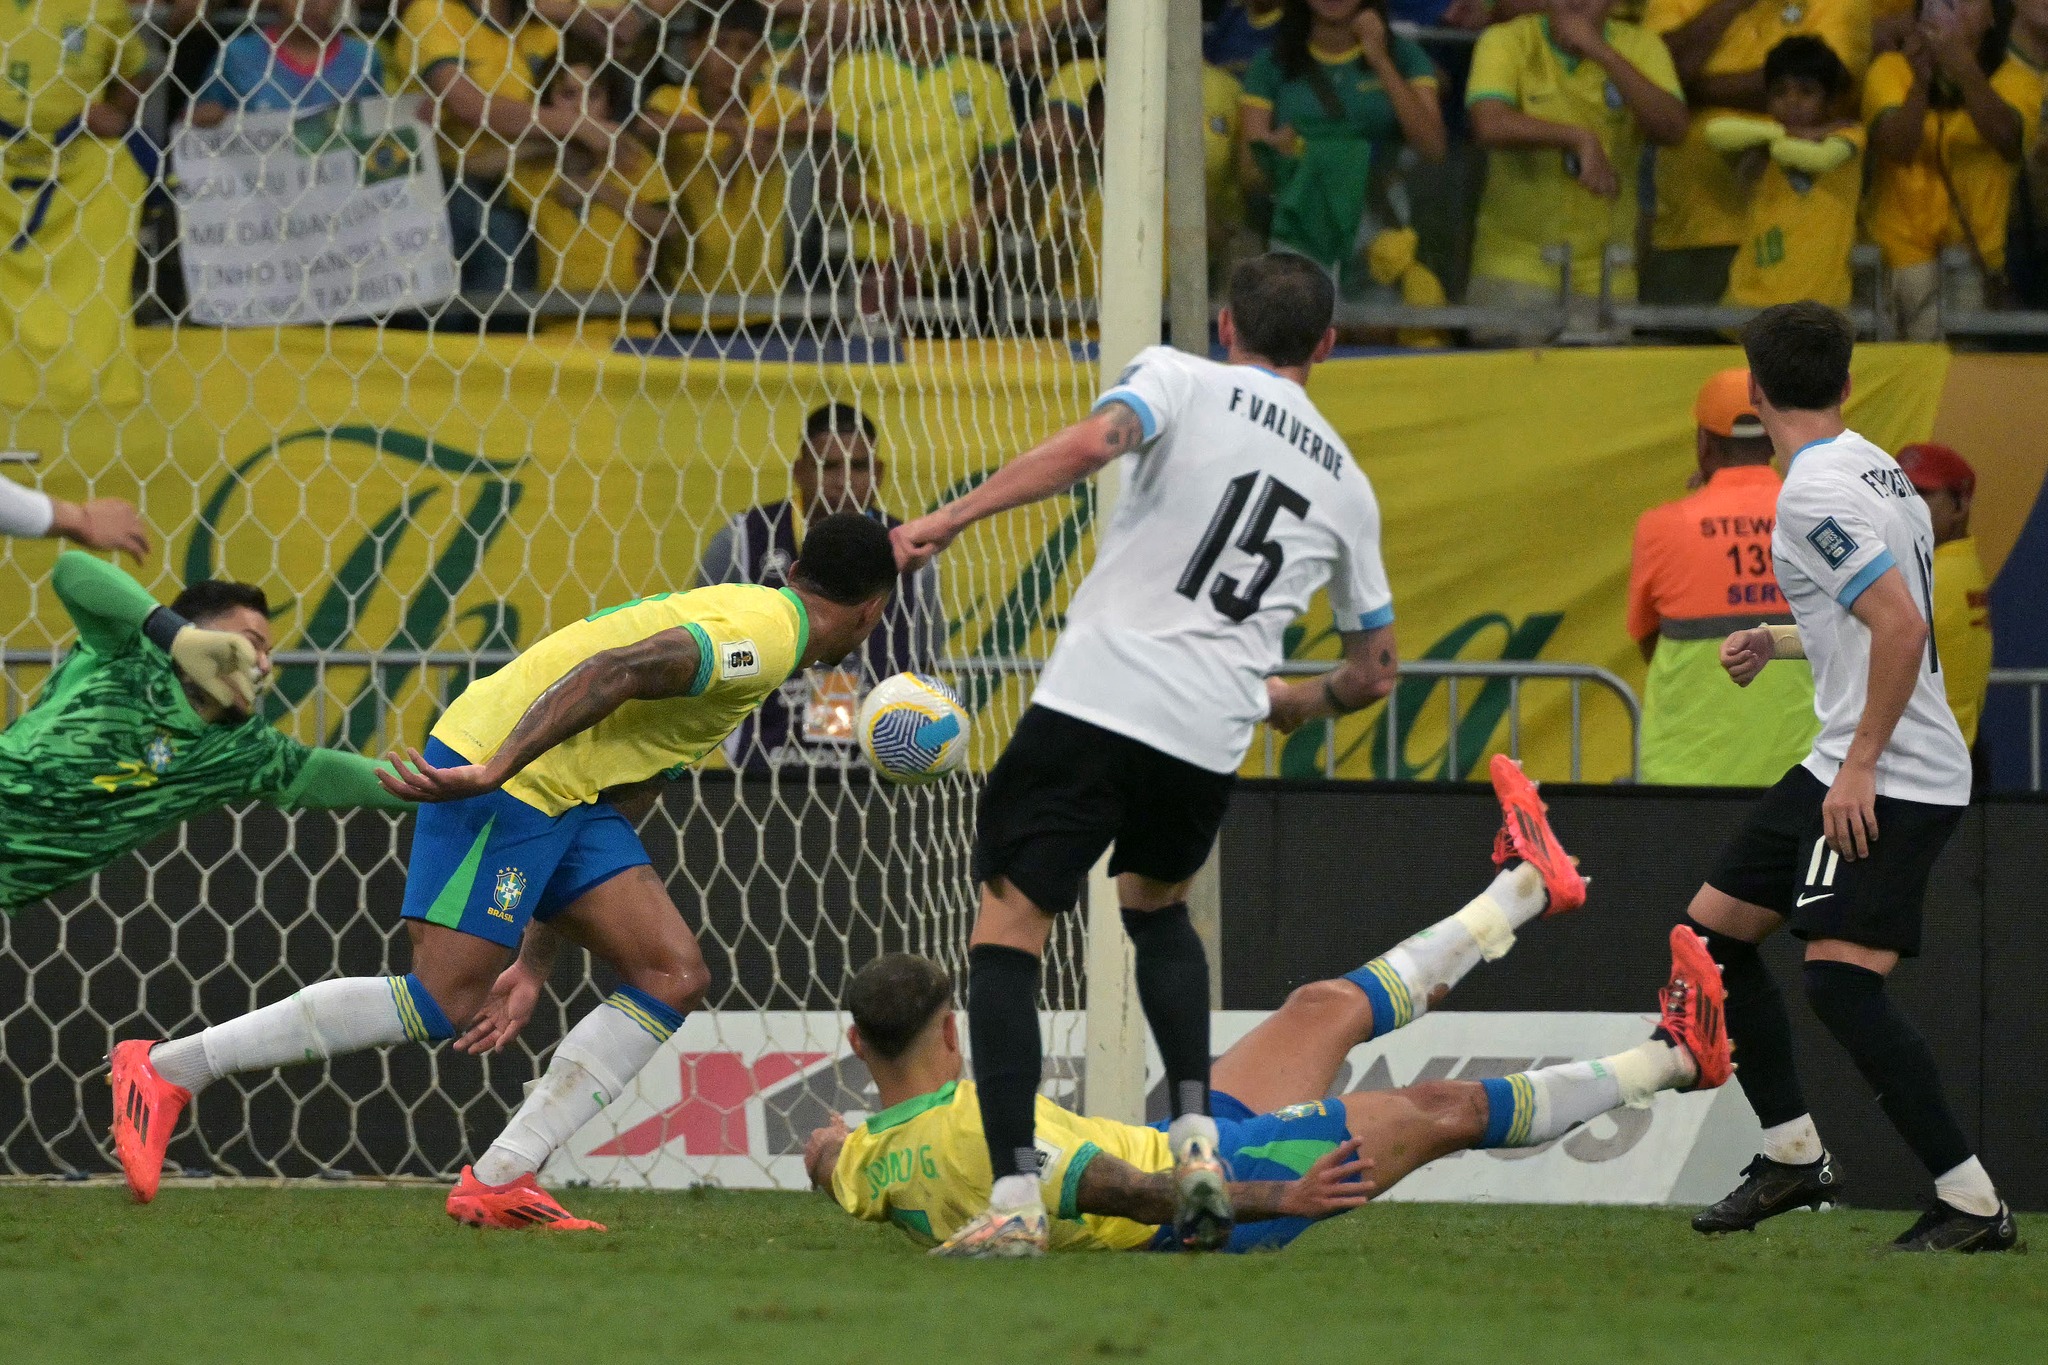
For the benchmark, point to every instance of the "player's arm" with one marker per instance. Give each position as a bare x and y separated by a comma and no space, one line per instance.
663,665
111,608
101,524
1366,674
515,993
1335,1183
1898,651
334,780
1051,467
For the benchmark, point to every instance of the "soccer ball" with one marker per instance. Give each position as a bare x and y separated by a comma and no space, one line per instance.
912,729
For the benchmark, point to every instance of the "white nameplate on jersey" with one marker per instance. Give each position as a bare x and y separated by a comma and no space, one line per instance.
739,659
833,702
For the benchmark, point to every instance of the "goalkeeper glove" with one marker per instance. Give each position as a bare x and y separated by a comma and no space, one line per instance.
222,663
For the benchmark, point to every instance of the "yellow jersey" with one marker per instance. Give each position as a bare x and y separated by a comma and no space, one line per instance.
57,56
918,135
749,640
923,1165
1221,97
1531,199
1962,630
511,63
1699,201
732,210
1910,212
1798,232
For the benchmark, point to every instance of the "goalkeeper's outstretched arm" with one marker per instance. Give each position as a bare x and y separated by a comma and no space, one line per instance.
110,609
1051,467
103,523
1339,1180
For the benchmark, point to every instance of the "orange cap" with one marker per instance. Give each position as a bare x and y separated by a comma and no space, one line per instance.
1934,467
1723,406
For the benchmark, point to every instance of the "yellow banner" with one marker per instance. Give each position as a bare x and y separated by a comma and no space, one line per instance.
394,495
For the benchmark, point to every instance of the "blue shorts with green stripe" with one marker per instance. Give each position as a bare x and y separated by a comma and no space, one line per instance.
487,864
1278,1146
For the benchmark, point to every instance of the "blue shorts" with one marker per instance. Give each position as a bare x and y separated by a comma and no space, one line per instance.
1278,1146
485,865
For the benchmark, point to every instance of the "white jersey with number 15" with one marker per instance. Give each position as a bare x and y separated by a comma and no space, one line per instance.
1238,506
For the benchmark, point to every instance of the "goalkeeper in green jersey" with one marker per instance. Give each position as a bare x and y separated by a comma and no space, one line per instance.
148,721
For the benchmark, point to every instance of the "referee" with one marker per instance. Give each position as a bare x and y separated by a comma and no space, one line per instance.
1839,850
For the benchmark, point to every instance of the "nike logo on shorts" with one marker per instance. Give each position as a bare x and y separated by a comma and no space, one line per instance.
1808,900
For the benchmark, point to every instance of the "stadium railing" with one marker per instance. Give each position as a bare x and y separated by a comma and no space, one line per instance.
2033,680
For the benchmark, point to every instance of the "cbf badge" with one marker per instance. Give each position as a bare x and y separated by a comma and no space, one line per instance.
1613,94
510,886
963,104
159,754
1792,14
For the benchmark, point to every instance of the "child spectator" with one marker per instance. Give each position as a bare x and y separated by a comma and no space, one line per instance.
1336,91
1803,165
724,135
1950,115
1564,102
1718,48
302,65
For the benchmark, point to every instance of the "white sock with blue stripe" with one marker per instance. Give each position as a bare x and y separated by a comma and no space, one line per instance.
326,1019
1415,974
1531,1108
593,1064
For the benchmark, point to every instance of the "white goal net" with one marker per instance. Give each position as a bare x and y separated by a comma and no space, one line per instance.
449,323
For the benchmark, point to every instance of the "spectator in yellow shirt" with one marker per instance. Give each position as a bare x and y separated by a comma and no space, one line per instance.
1803,167
1564,101
924,161
1950,115
1719,47
1962,599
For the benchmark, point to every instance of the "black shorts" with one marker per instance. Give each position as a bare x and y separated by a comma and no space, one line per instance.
1065,790
1779,860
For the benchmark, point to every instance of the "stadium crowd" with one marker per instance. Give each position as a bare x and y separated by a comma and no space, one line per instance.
723,154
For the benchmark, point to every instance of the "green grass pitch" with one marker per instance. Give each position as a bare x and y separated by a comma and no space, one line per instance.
274,1275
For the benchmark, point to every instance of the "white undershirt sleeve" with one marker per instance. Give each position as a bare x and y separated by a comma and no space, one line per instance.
24,511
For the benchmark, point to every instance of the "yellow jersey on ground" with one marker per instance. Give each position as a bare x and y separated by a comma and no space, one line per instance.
1532,199
733,240
749,640
1699,201
1962,630
512,63
1798,232
1911,214
917,136
923,1165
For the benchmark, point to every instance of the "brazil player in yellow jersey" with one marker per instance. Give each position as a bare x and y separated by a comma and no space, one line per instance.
921,1162
530,786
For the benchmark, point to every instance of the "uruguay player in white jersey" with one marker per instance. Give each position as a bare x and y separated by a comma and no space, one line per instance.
1841,848
1238,502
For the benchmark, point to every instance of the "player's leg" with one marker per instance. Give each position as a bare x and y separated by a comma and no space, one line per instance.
1754,885
1860,919
1294,1054
629,922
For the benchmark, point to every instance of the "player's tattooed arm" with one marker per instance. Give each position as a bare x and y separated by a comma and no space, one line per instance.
1336,1182
1122,431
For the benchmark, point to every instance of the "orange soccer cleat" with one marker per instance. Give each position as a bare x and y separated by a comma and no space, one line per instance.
521,1204
146,1110
1525,833
1695,1009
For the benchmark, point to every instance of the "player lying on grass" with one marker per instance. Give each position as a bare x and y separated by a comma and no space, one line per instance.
920,1163
532,780
149,721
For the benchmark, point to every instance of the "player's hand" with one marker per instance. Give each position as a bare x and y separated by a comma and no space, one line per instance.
1339,1180
221,663
510,1004
102,524
1595,171
413,778
1286,708
917,542
1745,653
1849,814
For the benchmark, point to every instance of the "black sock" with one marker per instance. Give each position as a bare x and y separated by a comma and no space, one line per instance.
1760,1028
1002,1026
1173,986
1893,1058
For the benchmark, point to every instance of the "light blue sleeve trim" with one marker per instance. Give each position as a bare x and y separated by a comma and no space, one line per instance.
1869,574
1373,620
1130,399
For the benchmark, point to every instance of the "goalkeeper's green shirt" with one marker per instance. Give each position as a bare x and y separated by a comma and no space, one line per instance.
112,753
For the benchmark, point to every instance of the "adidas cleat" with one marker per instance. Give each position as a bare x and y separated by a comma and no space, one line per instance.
994,1236
1695,1010
1525,833
516,1206
1945,1227
1770,1188
146,1110
1202,1216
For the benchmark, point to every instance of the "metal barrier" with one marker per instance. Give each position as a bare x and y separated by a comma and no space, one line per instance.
2033,679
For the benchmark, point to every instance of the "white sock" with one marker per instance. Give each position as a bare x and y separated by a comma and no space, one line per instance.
1795,1143
605,1050
1430,963
1968,1188
326,1019
1014,1192
1549,1103
1189,1126
1650,1067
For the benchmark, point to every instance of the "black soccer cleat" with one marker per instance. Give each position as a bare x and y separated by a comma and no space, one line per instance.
1944,1227
1768,1189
